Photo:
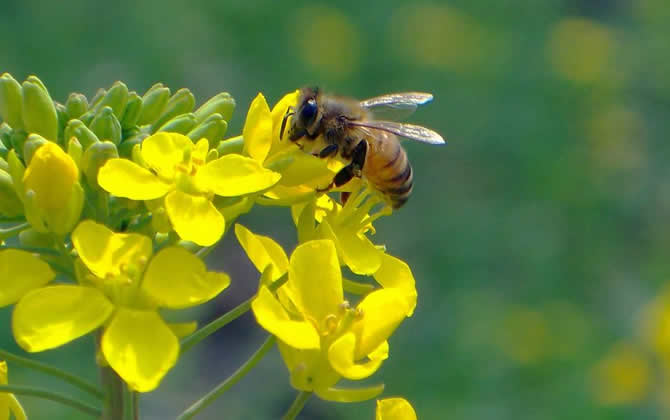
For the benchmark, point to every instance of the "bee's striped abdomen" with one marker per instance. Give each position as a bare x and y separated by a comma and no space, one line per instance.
388,169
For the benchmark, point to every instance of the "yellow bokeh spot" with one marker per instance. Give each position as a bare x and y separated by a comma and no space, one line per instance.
622,376
327,41
581,50
524,336
437,36
617,139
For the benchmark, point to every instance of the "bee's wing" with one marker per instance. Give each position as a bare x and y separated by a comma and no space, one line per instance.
410,131
396,105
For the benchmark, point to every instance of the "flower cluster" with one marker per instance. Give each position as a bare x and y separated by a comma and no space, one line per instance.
110,206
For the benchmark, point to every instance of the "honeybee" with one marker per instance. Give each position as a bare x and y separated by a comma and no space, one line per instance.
371,146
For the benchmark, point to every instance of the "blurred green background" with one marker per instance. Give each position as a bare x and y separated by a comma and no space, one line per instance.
537,237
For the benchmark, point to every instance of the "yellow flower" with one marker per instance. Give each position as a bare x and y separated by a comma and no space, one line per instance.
53,197
178,170
321,338
20,272
8,402
121,288
394,409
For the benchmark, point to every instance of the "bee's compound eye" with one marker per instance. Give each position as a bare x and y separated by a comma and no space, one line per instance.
308,111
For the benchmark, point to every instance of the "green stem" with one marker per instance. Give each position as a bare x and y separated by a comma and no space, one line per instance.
297,406
114,395
224,386
52,371
220,322
13,231
48,395
130,400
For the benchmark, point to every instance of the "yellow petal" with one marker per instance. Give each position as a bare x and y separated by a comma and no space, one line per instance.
272,317
107,253
51,174
52,316
358,252
262,251
140,347
309,369
183,329
16,408
194,218
394,409
178,279
341,357
163,151
395,273
20,272
348,395
233,175
257,132
125,178
383,310
278,112
315,280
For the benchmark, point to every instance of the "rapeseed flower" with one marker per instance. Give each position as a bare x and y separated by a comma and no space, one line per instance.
394,409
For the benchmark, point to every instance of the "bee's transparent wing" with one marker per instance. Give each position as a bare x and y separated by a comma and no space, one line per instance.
410,131
395,106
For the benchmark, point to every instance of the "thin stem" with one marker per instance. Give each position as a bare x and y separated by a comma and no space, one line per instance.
224,386
225,319
297,406
203,252
129,406
53,371
48,395
114,396
13,231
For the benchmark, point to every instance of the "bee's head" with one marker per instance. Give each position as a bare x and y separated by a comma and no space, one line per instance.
306,116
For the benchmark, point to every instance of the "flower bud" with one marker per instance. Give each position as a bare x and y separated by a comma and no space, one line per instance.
10,204
180,124
16,139
76,128
5,135
10,101
153,104
222,103
32,143
106,126
213,129
115,98
39,111
181,102
88,116
132,112
34,239
16,170
76,105
127,145
53,198
93,159
75,150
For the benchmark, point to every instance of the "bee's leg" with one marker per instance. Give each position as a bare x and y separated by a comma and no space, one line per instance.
354,169
289,112
327,151
358,157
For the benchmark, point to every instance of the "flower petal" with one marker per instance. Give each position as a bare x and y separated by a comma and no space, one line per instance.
163,151
341,357
52,316
233,175
394,409
278,112
272,317
262,251
105,252
257,132
358,252
347,395
194,218
382,310
125,178
315,280
178,279
395,273
20,272
140,347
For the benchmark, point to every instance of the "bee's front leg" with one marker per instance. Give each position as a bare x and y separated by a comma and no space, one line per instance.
328,151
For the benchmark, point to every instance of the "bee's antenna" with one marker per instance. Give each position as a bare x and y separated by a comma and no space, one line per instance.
289,112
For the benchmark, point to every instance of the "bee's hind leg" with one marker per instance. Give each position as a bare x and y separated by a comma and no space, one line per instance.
328,151
354,169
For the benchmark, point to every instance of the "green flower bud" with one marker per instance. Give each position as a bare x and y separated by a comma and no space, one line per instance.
213,129
106,126
181,102
62,120
75,150
180,124
5,135
34,239
153,104
4,165
10,204
88,116
39,111
93,159
212,155
32,143
76,105
126,146
10,101
86,137
222,103
132,114
16,170
115,98
17,138
99,94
